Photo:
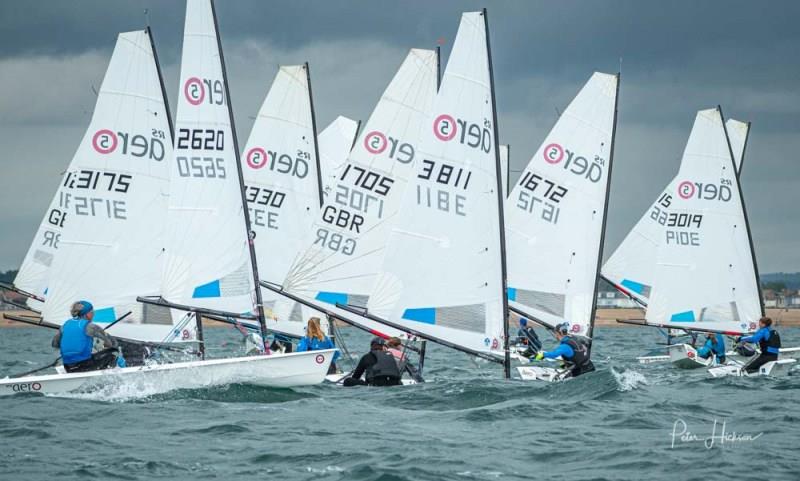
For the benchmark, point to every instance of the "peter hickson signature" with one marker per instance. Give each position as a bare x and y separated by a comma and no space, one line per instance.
681,434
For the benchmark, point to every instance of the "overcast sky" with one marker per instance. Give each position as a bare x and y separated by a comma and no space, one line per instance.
677,58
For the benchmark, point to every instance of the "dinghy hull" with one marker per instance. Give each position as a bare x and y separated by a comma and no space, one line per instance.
685,356
277,370
779,368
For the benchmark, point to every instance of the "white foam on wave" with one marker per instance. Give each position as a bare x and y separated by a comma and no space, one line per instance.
629,379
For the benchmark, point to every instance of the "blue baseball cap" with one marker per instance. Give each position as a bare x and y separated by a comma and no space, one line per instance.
86,309
523,321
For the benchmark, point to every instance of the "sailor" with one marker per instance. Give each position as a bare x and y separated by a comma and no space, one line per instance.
316,340
74,338
714,345
574,353
394,346
528,337
769,342
380,367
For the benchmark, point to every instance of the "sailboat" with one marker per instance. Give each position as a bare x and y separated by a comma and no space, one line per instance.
342,255
702,272
441,275
283,187
206,213
556,217
109,204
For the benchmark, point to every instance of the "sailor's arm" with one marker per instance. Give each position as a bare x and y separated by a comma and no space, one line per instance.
561,350
94,330
56,343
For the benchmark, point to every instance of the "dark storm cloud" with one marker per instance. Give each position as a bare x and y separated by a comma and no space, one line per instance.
677,57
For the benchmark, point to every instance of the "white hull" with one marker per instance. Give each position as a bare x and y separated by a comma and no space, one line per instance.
786,353
339,377
542,373
685,356
779,368
277,370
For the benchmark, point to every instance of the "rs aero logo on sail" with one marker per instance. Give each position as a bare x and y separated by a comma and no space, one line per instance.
198,91
106,141
556,154
447,128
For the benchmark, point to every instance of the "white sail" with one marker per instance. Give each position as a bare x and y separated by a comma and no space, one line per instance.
555,213
704,275
115,195
207,255
632,266
442,269
504,167
349,236
282,187
738,132
335,143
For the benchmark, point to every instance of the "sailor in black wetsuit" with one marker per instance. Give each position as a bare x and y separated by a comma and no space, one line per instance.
574,352
380,367
528,337
768,340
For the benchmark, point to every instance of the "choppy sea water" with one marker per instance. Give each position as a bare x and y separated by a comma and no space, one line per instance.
465,423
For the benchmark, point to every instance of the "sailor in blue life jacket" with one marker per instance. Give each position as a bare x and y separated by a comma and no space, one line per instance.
75,340
528,337
379,365
574,352
769,341
714,345
316,340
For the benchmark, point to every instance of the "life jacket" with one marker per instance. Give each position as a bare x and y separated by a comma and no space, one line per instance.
385,366
718,347
531,338
772,344
76,345
580,356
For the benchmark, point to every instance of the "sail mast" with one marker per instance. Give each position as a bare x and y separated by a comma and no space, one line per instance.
314,130
744,208
593,312
744,150
254,265
438,67
500,199
149,33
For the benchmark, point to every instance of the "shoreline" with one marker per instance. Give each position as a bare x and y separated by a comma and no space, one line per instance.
604,318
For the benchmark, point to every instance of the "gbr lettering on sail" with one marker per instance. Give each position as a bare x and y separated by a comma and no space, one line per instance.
361,194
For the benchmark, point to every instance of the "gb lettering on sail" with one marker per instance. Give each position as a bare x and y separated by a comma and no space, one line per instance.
207,254
348,237
442,274
114,197
555,214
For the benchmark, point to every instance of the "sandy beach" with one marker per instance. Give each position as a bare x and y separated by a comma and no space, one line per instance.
605,317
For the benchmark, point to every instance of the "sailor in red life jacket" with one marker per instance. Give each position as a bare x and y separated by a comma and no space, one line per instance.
395,347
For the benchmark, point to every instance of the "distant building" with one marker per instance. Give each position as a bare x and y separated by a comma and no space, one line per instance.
614,300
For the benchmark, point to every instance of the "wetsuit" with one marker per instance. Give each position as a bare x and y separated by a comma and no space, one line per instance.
715,346
769,341
574,353
74,339
531,339
380,367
